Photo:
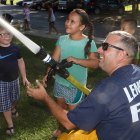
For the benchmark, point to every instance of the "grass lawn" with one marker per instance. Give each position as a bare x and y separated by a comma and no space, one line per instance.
129,8
14,2
35,122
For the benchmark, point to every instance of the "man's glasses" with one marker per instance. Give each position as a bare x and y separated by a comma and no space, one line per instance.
105,46
4,35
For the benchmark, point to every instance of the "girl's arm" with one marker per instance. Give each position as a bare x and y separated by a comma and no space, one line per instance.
49,14
91,62
22,70
56,54
56,57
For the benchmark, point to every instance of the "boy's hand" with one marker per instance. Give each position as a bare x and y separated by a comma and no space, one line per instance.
37,93
26,82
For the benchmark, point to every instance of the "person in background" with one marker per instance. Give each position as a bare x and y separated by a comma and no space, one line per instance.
26,13
80,4
11,62
11,2
51,19
79,49
112,107
130,25
8,17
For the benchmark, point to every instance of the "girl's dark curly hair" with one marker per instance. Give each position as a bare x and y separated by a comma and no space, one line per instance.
88,25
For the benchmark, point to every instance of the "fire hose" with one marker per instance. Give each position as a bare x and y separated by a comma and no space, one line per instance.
44,56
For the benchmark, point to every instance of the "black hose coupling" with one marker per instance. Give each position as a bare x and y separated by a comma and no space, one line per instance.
46,58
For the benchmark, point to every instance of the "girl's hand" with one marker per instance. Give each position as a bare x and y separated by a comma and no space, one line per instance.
44,81
72,59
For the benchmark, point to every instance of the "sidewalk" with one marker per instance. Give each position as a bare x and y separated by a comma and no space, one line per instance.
44,34
41,33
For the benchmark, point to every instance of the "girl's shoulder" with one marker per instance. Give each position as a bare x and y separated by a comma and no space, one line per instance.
62,40
63,37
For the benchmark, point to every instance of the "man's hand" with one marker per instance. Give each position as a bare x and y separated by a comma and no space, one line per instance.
40,93
37,93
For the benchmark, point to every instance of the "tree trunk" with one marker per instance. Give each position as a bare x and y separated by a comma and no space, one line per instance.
135,6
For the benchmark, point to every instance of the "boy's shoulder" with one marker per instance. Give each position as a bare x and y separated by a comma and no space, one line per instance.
15,46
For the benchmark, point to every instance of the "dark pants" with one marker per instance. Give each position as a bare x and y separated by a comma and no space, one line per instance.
3,2
11,2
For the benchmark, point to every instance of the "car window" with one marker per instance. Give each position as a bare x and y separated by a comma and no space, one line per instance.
27,0
102,1
113,1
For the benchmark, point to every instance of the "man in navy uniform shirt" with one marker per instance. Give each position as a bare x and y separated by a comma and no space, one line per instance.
113,106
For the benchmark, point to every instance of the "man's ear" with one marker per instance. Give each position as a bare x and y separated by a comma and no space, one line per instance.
123,54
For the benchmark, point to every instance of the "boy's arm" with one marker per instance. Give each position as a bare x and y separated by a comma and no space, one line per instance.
22,70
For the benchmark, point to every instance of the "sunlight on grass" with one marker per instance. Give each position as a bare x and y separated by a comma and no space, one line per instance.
129,8
14,2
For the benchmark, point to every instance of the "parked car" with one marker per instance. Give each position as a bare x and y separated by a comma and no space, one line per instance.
29,2
62,4
3,2
97,6
100,6
39,4
19,3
